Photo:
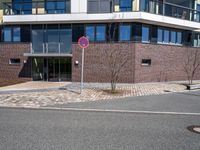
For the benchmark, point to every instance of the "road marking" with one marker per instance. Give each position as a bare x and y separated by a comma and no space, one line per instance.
105,110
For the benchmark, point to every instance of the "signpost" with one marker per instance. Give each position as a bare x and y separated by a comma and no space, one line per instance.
83,42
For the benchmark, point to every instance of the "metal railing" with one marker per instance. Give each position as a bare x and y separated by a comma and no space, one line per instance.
169,9
38,7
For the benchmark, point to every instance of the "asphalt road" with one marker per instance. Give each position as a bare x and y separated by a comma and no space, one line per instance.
35,129
187,102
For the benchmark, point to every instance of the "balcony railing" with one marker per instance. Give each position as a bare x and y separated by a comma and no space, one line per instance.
38,7
171,10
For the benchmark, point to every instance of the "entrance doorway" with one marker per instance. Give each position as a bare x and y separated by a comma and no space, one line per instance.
51,69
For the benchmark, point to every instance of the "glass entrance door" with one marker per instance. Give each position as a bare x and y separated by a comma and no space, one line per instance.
53,69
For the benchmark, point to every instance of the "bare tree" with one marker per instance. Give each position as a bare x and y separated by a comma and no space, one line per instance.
192,64
116,58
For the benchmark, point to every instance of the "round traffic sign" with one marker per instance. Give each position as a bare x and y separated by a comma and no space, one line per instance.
83,42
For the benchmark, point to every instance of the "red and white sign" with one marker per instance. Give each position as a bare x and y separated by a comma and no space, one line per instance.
83,42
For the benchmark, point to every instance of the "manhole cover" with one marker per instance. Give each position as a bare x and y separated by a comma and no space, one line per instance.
195,129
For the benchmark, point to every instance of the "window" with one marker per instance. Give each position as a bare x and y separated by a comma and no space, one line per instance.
125,5
160,36
7,34
99,6
173,37
146,62
196,41
166,36
22,6
179,37
57,7
100,33
125,33
16,34
137,32
15,61
145,34
77,32
90,32
12,34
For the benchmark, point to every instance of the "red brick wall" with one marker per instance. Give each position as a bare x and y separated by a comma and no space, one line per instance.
18,72
167,63
96,65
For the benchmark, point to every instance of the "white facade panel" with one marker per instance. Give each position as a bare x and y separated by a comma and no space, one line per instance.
109,17
78,6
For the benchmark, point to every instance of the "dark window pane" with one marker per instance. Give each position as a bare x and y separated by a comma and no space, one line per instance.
78,31
25,34
145,34
173,37
137,32
90,32
154,34
100,33
125,31
61,5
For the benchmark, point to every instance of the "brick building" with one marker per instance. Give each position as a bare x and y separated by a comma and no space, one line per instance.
39,38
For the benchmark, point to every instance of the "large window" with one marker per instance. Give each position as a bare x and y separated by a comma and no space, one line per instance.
22,6
145,34
52,39
90,32
160,35
99,6
100,33
125,33
179,37
12,34
96,32
173,37
196,41
57,7
166,36
125,5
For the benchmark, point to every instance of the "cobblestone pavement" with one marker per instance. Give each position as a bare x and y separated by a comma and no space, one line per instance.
33,85
91,92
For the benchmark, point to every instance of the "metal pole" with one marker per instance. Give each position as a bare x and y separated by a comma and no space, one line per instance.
82,67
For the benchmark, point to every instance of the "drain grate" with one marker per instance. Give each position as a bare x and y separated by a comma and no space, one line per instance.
194,129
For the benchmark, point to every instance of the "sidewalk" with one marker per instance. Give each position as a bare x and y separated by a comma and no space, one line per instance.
68,93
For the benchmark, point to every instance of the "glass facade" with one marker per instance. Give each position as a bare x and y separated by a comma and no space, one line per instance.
125,5
52,39
12,34
22,6
99,6
56,7
59,38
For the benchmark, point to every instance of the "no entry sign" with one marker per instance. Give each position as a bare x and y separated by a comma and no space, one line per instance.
83,42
